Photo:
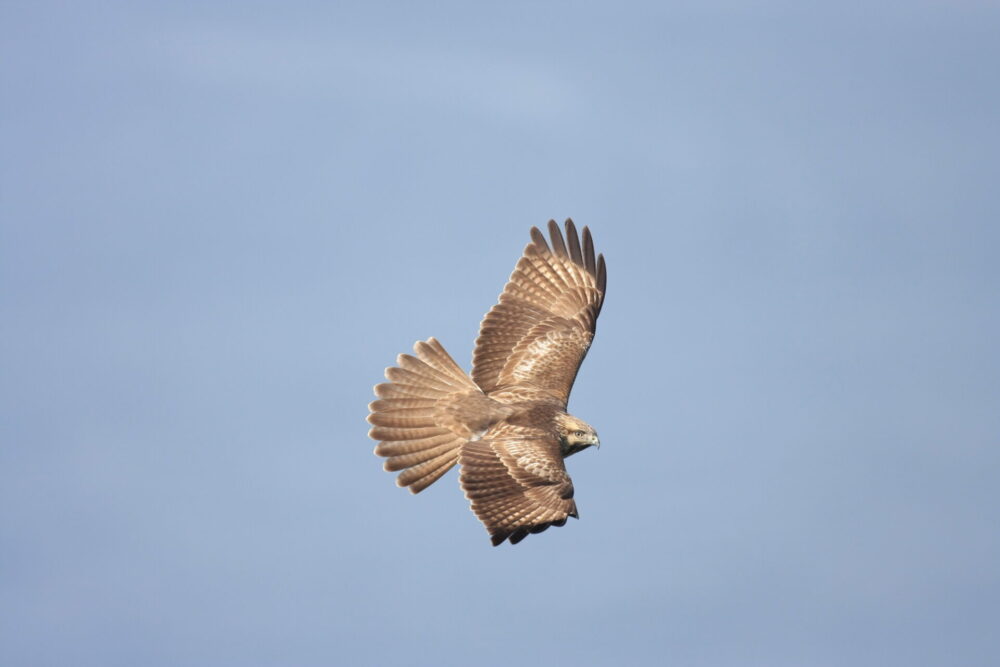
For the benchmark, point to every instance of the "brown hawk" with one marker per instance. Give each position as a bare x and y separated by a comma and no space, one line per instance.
506,424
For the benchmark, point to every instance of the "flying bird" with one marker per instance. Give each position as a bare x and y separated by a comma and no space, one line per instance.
507,423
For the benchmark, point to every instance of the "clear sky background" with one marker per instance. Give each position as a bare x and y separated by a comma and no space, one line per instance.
220,224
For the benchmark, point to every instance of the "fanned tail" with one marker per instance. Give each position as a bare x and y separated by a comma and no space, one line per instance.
408,420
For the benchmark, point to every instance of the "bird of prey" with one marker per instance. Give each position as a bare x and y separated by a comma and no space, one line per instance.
507,424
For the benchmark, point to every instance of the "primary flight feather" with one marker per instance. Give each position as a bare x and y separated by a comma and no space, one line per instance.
507,424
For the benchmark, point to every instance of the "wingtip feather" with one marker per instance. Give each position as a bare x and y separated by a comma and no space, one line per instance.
539,239
588,253
558,246
518,535
573,242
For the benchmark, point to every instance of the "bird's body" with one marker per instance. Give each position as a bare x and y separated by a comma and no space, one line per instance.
507,424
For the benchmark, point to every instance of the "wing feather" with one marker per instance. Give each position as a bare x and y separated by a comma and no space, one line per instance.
516,482
573,243
557,240
545,319
602,278
588,252
538,238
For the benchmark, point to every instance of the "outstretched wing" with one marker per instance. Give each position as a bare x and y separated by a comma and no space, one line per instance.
539,332
517,485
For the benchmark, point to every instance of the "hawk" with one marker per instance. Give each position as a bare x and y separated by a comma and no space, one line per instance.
506,424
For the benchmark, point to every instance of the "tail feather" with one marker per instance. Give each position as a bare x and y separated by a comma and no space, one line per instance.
394,390
406,416
417,473
400,404
428,477
390,433
404,461
429,370
433,353
401,448
420,377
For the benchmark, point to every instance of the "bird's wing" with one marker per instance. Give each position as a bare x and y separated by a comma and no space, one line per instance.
517,483
541,328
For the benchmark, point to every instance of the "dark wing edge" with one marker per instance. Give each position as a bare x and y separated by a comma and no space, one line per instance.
511,500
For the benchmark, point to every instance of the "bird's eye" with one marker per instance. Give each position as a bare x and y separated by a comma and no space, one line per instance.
579,434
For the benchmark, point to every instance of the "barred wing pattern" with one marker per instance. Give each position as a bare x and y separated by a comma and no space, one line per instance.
506,424
541,329
517,483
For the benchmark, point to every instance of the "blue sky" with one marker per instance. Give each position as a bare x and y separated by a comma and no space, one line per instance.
219,224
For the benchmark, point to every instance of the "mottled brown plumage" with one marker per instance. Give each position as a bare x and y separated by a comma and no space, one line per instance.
506,424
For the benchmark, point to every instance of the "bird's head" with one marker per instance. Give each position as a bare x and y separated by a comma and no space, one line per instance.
575,435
